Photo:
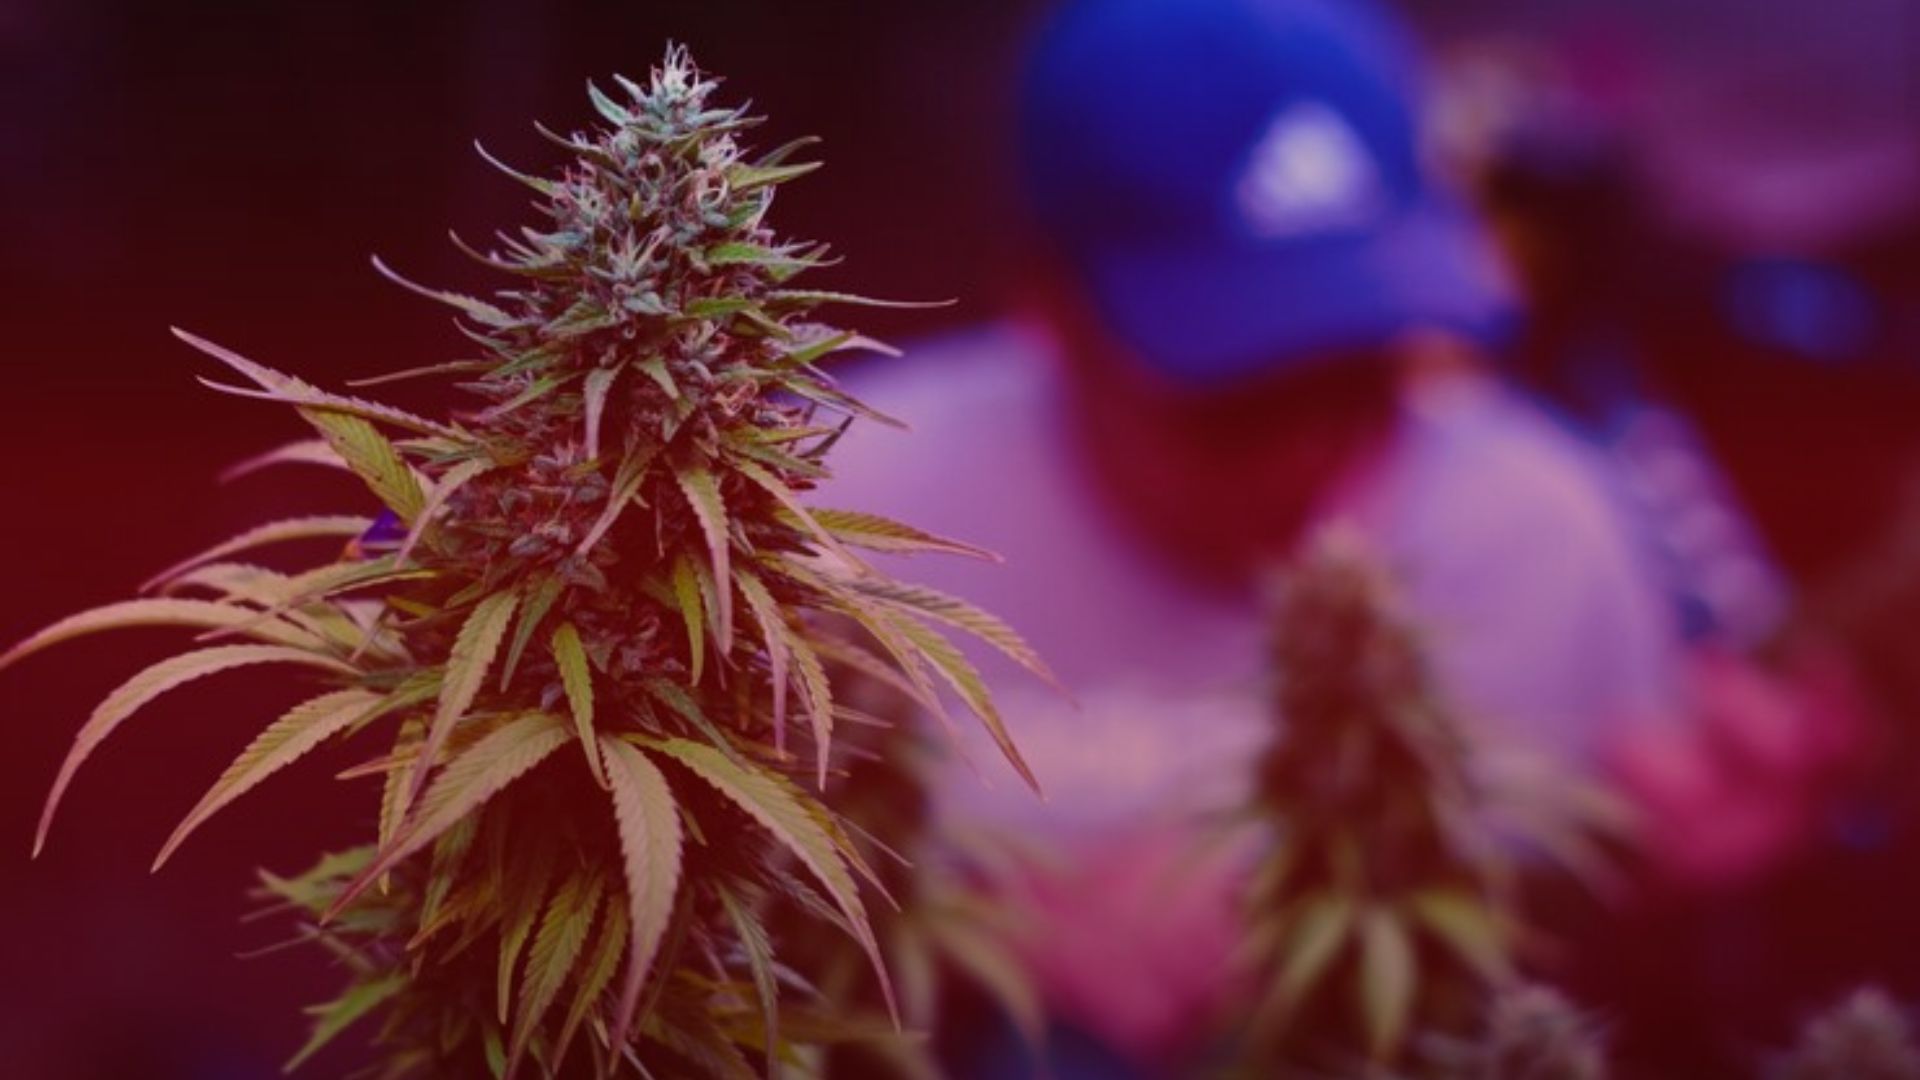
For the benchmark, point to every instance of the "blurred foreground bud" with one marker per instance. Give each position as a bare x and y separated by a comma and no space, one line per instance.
1535,1033
1866,1036
1385,906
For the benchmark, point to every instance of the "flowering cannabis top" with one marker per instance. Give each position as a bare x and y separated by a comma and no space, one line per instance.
583,621
1386,886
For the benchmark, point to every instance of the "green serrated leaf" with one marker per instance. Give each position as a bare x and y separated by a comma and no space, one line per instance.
540,600
686,594
966,681
284,741
273,532
626,486
374,460
650,848
577,679
555,953
773,636
593,396
333,1018
456,478
703,496
817,695
278,386
300,452
596,975
771,484
473,652
523,877
877,533
1467,926
959,614
1321,925
463,786
655,368
199,614
745,178
150,684
777,808
758,949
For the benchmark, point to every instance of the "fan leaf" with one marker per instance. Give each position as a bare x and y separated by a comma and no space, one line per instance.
703,496
199,614
876,533
284,741
576,679
335,1017
777,808
650,850
151,683
273,532
556,950
462,787
473,651
1389,979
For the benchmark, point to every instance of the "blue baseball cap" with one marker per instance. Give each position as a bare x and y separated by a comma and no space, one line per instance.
1239,182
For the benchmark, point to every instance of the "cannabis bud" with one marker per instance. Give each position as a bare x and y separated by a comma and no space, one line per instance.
1379,888
1865,1036
580,627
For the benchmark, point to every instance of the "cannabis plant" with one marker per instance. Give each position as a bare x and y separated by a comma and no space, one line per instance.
1864,1036
948,934
1384,904
588,628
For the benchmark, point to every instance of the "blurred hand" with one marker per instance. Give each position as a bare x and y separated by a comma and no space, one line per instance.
1132,940
1736,784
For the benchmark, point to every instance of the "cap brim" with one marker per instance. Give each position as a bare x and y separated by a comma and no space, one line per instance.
1222,311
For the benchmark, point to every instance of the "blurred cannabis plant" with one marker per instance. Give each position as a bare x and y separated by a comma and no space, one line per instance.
1530,1032
1384,903
580,627
948,935
1864,1036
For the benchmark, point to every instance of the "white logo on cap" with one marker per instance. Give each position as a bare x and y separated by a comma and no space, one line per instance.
1309,173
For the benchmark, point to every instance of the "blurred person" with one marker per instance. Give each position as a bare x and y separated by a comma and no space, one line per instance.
1256,312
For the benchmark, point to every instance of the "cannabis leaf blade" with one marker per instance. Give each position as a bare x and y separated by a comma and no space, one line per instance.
150,684
331,1019
876,533
703,495
776,808
273,532
473,652
577,680
556,948
1388,979
649,823
466,783
304,727
966,681
201,614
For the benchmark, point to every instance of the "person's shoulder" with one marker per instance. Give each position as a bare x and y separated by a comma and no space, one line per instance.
1513,538
1496,457
986,365
975,409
